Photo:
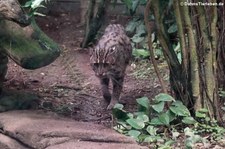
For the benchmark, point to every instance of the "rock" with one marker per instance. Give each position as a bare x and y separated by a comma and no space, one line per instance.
9,143
28,46
94,145
16,100
40,130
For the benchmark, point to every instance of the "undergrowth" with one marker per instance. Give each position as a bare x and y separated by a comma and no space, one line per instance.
162,122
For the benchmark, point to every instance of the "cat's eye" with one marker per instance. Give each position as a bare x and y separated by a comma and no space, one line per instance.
112,49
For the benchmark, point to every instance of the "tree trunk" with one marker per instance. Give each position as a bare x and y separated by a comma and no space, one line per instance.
194,81
95,19
151,51
84,9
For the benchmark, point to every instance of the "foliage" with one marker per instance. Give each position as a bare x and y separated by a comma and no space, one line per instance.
208,126
222,96
181,36
137,29
157,122
144,125
34,5
132,4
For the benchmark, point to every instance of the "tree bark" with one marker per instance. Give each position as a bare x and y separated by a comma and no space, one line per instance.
191,53
194,81
94,20
84,9
149,30
208,77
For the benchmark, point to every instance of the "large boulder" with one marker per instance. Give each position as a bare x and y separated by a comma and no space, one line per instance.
28,46
40,130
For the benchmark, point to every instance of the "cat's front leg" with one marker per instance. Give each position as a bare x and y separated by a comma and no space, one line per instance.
105,89
117,89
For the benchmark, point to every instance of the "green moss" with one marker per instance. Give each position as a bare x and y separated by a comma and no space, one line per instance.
29,47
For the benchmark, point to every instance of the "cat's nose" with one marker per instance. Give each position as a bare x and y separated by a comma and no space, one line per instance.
101,74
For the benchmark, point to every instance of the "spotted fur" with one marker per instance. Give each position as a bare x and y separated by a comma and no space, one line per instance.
109,60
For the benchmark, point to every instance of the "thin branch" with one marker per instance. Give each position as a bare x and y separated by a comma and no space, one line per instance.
149,30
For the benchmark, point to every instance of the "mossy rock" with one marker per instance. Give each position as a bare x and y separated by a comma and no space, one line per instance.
28,46
16,100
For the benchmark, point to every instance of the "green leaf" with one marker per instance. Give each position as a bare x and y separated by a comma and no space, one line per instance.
135,123
124,124
158,107
140,29
188,132
137,38
163,97
39,14
222,93
28,4
143,101
178,103
36,3
118,106
179,109
170,142
152,130
130,28
141,53
156,121
172,28
143,117
203,110
134,134
190,141
164,118
200,115
119,113
171,115
177,47
151,139
179,56
135,4
188,120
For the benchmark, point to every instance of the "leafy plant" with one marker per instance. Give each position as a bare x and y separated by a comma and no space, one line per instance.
158,121
34,5
131,5
208,126
222,96
147,124
137,29
192,138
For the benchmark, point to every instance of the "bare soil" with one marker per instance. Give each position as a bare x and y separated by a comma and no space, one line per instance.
68,86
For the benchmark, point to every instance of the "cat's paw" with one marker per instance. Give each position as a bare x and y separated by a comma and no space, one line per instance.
112,104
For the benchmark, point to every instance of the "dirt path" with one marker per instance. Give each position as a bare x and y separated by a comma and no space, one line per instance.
68,85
